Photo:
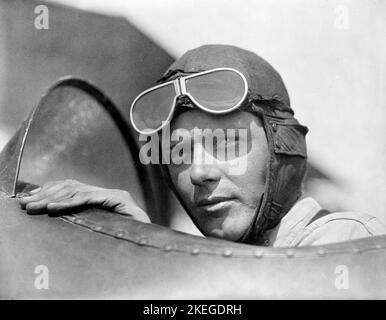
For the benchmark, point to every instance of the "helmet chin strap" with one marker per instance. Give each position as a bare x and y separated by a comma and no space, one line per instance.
248,235
251,227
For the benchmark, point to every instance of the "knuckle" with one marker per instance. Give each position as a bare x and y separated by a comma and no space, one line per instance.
67,189
87,194
78,196
33,206
48,184
71,182
82,188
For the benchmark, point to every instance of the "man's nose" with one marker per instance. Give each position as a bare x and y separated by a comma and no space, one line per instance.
204,167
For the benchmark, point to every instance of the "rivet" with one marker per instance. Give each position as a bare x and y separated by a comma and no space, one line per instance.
321,252
227,253
274,126
168,247
78,220
259,253
142,242
277,144
97,228
290,253
266,242
119,234
195,251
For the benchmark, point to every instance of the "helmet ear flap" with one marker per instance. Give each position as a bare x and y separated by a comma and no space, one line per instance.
286,168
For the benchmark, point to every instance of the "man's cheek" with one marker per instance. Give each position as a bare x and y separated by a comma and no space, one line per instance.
184,185
238,165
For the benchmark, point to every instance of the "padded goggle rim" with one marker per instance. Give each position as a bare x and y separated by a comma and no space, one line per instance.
180,89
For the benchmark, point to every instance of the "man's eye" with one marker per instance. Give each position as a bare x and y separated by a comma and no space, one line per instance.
228,148
229,141
180,154
179,149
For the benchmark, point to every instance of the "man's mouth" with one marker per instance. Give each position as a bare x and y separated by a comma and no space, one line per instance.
215,203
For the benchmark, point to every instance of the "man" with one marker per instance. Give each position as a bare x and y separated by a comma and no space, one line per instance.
251,197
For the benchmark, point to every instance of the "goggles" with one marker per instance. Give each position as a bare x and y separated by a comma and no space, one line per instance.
217,91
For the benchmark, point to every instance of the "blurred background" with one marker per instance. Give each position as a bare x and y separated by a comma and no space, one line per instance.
330,54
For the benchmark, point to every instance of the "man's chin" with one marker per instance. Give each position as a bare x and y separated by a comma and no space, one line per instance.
216,233
222,234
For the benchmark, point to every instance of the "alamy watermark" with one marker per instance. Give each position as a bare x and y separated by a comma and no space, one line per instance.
41,21
42,279
342,17
228,147
342,277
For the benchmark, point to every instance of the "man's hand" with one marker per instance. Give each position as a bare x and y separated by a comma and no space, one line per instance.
56,196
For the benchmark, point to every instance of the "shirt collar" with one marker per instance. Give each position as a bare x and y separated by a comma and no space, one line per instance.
293,222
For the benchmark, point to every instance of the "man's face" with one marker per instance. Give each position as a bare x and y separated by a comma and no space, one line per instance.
221,192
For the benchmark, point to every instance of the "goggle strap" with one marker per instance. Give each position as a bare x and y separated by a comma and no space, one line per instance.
173,74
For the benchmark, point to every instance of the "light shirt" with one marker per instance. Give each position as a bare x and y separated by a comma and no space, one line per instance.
296,230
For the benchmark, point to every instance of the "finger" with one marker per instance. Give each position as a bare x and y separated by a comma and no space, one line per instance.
45,192
53,185
56,193
40,195
40,190
134,212
41,205
36,207
66,204
89,195
35,190
60,195
49,184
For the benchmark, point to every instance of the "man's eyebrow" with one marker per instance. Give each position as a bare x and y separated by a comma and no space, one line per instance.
234,126
182,134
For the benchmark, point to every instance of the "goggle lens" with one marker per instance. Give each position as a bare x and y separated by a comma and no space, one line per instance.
217,91
154,107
